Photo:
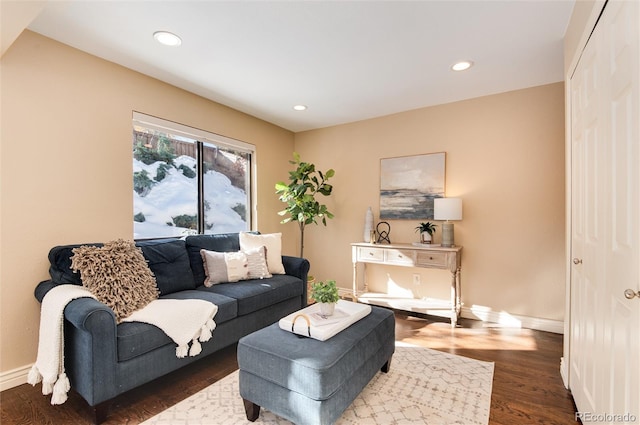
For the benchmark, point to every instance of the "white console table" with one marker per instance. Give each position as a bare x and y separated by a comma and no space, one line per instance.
408,255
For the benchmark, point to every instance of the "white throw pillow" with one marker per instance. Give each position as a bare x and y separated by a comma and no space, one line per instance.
273,243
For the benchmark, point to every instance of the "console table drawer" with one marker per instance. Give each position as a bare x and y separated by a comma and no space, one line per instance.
432,259
370,254
400,257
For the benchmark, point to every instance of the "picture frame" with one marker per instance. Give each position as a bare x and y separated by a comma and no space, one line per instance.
409,184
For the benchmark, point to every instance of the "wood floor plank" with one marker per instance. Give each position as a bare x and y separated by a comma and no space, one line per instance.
527,388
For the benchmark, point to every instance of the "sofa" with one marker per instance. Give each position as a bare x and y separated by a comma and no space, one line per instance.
104,359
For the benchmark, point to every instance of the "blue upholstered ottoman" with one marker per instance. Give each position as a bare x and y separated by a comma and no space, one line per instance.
308,381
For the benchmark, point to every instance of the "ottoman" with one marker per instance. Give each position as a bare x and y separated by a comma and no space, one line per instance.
308,381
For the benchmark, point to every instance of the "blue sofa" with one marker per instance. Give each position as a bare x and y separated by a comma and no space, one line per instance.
104,359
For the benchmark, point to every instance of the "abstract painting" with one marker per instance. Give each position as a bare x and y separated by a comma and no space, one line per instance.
409,184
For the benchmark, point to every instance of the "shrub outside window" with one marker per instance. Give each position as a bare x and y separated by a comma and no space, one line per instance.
188,181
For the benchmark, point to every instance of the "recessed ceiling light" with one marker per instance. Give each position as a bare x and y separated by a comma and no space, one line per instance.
167,38
462,65
300,107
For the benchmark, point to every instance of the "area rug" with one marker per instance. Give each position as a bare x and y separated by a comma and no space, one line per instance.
423,387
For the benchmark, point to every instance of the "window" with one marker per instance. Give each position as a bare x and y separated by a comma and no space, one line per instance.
188,181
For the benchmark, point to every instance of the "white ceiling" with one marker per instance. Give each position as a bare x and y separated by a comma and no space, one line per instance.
346,60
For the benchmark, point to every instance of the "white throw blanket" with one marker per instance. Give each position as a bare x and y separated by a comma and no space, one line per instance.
183,321
49,366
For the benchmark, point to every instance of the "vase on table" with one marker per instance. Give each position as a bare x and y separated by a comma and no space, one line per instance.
368,225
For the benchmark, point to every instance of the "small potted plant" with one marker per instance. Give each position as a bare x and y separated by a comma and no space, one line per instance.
326,294
426,231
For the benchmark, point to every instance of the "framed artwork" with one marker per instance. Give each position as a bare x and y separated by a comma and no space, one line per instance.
409,184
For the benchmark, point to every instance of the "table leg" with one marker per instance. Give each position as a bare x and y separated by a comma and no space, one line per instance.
454,299
355,282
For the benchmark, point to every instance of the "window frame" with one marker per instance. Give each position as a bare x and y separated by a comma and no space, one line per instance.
203,139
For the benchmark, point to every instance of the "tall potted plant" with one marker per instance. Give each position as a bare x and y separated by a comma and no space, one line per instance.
305,182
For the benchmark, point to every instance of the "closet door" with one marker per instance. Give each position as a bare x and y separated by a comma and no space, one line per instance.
605,137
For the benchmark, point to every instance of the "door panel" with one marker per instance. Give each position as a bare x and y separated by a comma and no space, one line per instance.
604,373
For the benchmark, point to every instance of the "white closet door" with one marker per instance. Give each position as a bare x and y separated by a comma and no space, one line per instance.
605,123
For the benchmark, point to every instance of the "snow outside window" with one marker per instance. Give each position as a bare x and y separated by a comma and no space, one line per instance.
187,181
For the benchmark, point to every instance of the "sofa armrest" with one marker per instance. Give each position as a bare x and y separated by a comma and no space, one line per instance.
91,315
90,345
84,313
298,267
42,289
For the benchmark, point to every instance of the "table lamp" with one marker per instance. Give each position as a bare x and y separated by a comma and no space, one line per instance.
447,209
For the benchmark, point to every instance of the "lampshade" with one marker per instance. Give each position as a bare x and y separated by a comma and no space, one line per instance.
447,209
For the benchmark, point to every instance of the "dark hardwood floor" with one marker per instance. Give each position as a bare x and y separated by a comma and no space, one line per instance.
527,387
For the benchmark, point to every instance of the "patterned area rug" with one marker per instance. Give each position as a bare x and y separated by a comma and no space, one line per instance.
423,387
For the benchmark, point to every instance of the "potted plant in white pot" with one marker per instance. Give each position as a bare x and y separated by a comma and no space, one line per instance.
326,294
426,232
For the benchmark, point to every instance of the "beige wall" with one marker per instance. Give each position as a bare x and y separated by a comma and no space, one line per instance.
504,158
66,165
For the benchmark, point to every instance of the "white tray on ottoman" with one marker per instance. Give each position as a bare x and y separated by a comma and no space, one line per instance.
309,322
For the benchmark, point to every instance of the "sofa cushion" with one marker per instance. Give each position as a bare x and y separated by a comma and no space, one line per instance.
227,307
136,338
223,242
255,294
169,262
273,242
117,274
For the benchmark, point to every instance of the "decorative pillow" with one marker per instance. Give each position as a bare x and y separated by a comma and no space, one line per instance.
237,268
273,243
117,274
220,267
257,263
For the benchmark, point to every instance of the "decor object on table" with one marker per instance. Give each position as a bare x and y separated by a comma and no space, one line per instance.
300,195
426,231
412,392
368,225
409,184
325,293
311,323
383,229
448,209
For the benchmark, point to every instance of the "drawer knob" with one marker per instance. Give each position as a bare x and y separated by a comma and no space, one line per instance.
430,258
371,254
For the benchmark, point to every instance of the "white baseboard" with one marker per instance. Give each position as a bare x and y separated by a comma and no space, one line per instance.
484,314
513,320
15,377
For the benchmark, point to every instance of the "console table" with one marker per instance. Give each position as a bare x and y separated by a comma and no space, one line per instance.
409,255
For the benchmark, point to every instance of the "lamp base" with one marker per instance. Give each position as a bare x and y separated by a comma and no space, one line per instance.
447,235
